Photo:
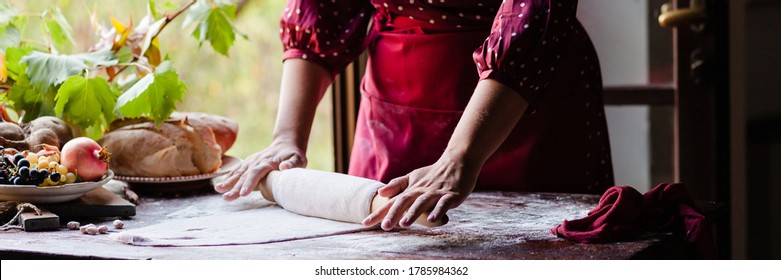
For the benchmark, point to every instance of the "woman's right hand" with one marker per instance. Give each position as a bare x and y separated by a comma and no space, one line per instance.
303,85
245,178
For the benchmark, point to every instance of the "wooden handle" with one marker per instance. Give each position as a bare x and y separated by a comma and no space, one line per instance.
265,186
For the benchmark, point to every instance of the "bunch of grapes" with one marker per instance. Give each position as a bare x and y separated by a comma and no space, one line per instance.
29,168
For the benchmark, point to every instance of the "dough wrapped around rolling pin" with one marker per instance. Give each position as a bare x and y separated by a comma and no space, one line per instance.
328,195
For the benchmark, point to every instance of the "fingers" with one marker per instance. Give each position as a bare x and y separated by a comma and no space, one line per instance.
233,194
421,204
231,178
245,178
394,187
377,216
236,180
292,162
438,187
395,213
403,210
252,178
226,186
445,203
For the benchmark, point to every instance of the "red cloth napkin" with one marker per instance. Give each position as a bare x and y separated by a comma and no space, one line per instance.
623,214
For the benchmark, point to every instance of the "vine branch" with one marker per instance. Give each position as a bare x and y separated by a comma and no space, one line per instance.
170,17
240,6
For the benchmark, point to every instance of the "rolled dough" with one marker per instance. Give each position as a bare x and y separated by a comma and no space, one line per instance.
323,194
329,195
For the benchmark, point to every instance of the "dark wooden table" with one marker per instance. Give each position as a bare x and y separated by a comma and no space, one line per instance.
487,226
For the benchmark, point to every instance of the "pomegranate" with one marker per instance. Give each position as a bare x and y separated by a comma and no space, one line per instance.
85,158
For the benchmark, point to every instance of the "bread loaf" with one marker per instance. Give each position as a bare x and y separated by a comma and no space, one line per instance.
175,148
225,130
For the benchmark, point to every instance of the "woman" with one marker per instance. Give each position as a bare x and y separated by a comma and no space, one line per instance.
529,119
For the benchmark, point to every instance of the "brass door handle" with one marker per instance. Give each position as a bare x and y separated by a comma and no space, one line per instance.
693,15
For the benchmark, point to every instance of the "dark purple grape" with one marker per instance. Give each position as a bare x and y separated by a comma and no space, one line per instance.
24,171
17,158
56,176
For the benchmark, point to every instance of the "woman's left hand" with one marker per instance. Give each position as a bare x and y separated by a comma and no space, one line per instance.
491,114
442,186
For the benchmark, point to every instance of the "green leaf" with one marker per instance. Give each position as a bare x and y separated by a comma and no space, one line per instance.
86,102
215,24
151,8
59,37
9,36
59,29
219,32
168,6
51,70
198,12
20,23
22,94
95,131
124,55
97,58
24,97
154,96
7,14
126,82
165,66
13,56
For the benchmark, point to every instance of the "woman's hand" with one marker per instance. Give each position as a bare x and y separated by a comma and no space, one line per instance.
245,178
303,85
442,186
491,114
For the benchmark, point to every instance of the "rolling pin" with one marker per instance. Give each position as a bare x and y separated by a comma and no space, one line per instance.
328,195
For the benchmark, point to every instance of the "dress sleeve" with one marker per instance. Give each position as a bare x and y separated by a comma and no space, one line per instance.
328,32
518,52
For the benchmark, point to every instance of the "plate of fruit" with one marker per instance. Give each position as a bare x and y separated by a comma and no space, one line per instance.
51,176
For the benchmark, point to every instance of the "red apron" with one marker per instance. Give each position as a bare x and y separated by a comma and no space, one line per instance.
414,92
415,89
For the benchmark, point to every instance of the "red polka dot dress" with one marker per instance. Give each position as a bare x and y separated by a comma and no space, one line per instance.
425,59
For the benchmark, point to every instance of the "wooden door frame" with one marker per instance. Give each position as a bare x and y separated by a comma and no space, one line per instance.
345,101
702,112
